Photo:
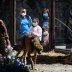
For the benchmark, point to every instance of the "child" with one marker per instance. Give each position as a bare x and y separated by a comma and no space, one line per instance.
45,36
36,29
45,18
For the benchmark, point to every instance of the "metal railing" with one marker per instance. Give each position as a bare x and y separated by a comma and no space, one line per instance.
68,29
64,24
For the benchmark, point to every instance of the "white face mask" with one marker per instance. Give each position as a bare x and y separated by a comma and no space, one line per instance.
35,24
23,14
45,33
45,14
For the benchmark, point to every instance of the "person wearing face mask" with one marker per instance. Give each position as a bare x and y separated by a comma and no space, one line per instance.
45,37
36,29
45,18
25,22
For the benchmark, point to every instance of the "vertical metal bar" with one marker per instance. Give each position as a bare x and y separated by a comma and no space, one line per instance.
51,24
14,22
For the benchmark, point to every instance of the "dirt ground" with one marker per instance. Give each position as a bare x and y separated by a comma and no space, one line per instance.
52,62
53,68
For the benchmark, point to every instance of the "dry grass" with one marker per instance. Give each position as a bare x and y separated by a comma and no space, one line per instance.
52,53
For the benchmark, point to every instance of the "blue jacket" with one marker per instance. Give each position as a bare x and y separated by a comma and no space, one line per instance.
25,24
45,17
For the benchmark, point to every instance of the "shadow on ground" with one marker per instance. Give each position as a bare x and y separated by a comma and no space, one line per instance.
50,60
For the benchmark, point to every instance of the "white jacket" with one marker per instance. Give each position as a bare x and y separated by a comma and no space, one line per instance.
36,31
